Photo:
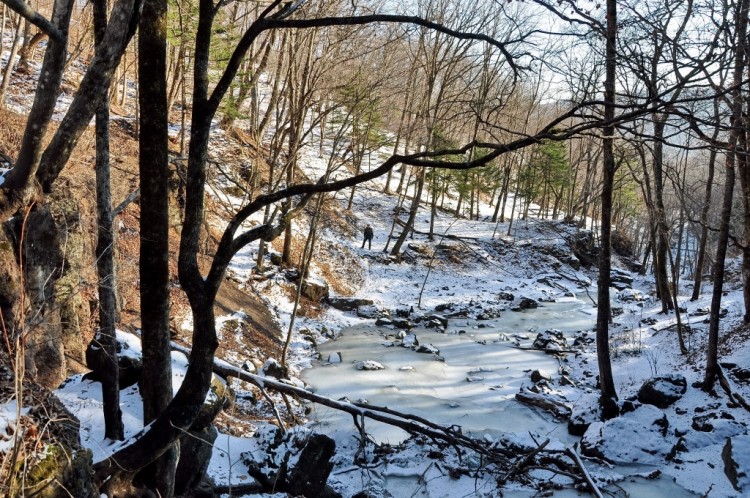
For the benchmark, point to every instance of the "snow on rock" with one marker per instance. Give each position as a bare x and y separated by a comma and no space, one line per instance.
585,412
550,340
736,457
427,348
663,390
334,358
634,437
272,368
369,365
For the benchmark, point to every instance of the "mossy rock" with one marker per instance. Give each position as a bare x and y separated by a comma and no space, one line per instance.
61,474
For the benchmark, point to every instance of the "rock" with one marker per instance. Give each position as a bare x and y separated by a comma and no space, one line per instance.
409,340
440,319
368,365
736,457
383,322
709,421
585,412
427,348
741,373
347,303
131,365
630,296
272,368
565,380
525,304
334,358
275,258
634,437
663,390
314,290
474,378
402,323
196,448
620,279
551,341
538,375
584,247
506,296
444,307
369,311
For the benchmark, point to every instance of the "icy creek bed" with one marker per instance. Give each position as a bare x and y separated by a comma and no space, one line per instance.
472,385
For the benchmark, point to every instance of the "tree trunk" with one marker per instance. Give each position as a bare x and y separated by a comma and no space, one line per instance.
412,214
712,351
608,398
113,426
156,388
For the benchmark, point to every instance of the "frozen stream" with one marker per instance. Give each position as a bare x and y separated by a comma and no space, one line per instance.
440,391
475,385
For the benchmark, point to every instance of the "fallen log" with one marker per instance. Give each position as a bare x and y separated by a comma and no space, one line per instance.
412,424
557,408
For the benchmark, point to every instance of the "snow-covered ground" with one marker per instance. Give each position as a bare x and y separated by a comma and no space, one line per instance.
471,272
482,368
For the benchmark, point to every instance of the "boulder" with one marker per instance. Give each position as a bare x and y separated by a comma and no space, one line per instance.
585,412
408,340
131,364
402,323
334,358
272,368
630,296
506,296
634,437
525,303
383,322
370,311
538,375
347,303
663,390
427,348
736,457
440,319
314,290
551,341
368,365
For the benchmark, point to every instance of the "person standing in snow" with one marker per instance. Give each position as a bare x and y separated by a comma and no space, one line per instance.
368,237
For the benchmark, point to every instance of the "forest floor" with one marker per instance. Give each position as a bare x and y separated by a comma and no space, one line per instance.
466,268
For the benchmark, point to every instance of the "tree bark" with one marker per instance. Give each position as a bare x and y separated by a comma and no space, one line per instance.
156,388
712,351
606,380
113,426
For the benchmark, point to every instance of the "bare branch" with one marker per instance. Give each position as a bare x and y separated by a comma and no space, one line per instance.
35,18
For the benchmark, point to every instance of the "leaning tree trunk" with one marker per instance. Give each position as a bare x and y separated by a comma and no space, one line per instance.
412,214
